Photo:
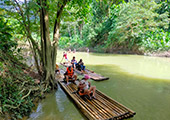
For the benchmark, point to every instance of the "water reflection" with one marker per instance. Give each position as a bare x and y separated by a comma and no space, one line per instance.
37,113
57,106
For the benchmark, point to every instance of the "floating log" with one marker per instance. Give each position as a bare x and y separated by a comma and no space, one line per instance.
92,74
101,108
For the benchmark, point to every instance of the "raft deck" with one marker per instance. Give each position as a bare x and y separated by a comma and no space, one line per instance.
92,74
101,108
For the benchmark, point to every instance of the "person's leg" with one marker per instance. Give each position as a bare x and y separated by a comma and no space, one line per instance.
78,67
67,79
74,78
81,67
75,65
86,91
93,88
84,67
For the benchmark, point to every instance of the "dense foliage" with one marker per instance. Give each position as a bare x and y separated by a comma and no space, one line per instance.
6,43
16,85
38,23
127,27
13,88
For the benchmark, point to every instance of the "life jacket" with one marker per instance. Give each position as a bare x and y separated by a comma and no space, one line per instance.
70,73
80,93
57,67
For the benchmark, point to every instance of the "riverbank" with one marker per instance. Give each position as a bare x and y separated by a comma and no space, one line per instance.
20,87
159,54
154,54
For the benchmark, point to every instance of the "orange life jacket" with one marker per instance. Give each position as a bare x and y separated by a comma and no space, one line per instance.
80,93
57,67
70,73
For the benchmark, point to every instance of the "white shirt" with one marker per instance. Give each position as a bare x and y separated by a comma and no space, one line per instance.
86,83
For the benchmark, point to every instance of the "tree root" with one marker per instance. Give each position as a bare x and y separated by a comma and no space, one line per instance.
21,91
27,94
24,83
0,110
11,106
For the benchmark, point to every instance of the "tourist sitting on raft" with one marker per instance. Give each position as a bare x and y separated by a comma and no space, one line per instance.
69,75
80,65
85,88
74,62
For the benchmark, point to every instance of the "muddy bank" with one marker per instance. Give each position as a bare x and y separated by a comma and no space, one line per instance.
155,54
159,54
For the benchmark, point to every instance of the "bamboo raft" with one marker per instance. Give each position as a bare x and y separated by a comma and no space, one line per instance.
101,108
92,74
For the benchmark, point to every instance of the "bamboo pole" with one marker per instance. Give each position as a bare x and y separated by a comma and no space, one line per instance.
92,110
90,116
107,111
98,106
98,110
105,107
118,114
111,105
116,103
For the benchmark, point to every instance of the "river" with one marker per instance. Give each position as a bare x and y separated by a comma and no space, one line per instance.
141,83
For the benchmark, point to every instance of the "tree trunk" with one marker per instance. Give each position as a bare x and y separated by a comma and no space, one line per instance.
56,32
47,53
69,31
75,33
80,29
47,58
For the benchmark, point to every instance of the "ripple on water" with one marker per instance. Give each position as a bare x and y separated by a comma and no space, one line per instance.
37,113
60,99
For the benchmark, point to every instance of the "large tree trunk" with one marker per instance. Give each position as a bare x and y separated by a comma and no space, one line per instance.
47,52
56,32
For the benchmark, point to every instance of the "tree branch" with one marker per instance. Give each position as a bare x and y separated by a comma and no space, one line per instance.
35,45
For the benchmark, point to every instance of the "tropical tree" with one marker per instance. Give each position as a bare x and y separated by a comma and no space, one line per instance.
41,17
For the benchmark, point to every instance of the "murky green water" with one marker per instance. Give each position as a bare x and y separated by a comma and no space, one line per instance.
138,82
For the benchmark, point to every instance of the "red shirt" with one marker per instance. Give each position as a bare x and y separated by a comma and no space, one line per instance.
65,55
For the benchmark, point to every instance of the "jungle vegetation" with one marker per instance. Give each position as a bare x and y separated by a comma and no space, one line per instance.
137,26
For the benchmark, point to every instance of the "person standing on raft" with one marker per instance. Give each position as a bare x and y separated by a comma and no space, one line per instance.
65,56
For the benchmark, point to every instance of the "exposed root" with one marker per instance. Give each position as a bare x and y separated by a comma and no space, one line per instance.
0,110
11,106
27,94
21,90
